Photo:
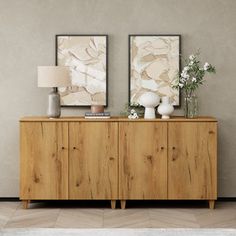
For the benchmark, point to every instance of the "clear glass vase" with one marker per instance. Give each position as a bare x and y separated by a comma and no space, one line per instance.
190,106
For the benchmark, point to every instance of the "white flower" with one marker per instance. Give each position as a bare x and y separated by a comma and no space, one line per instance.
186,68
206,66
133,115
182,80
132,111
194,79
192,57
191,63
185,75
181,85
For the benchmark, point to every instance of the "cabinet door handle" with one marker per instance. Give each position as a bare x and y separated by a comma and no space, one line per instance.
74,148
162,148
173,148
62,148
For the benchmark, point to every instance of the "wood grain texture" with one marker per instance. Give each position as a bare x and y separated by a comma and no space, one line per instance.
93,161
44,160
119,159
117,118
122,204
113,204
212,204
192,160
25,204
142,160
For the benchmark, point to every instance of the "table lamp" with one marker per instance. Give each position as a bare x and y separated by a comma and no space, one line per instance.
54,77
149,100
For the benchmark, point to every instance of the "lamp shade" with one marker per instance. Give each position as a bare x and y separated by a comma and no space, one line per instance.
53,76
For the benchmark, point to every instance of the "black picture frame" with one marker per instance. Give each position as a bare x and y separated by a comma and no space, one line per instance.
129,60
84,35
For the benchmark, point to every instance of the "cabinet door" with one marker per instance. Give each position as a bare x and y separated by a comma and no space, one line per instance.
44,160
143,160
93,160
192,160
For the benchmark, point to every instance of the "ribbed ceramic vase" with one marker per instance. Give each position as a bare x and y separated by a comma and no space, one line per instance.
165,108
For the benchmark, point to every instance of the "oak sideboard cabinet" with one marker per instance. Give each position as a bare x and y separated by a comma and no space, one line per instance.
118,159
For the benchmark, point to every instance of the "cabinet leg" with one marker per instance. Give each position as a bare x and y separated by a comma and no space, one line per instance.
211,204
122,204
113,204
25,204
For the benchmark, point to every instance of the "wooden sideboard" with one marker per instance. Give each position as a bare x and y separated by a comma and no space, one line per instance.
118,159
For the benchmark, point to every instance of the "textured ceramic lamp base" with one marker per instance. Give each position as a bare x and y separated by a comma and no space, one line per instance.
165,117
149,113
54,105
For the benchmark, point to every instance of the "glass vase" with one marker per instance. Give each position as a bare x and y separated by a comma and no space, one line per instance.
190,106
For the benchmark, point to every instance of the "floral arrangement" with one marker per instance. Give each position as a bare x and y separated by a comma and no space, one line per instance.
133,111
133,114
192,75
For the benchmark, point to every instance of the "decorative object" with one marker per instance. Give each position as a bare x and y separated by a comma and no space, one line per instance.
165,108
190,105
149,100
133,106
118,159
154,62
87,57
53,77
97,108
191,77
133,114
99,115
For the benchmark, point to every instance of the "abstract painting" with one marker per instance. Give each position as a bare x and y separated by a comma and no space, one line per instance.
154,63
86,55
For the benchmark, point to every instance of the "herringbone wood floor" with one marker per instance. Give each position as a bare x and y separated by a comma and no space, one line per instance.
97,214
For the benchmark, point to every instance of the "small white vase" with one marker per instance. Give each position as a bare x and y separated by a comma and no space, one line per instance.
165,108
149,100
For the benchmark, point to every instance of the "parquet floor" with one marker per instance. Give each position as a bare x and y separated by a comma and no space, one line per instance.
97,214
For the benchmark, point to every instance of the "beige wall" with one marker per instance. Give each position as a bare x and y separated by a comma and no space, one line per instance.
27,31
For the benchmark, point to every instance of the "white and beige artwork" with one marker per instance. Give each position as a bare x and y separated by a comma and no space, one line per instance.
154,66
87,58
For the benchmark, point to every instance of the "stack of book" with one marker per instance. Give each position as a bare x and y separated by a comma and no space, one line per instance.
100,115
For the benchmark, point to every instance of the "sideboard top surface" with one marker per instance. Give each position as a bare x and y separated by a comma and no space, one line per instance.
115,119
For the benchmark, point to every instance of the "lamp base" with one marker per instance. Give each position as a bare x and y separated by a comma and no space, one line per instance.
149,113
54,104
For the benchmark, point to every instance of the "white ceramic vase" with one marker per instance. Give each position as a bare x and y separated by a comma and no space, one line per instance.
149,100
165,108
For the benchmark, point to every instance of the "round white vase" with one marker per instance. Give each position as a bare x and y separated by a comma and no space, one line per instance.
149,100
165,108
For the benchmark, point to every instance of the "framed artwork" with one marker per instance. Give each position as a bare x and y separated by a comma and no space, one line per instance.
87,57
154,63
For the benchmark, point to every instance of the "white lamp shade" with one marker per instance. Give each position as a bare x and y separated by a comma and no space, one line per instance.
53,76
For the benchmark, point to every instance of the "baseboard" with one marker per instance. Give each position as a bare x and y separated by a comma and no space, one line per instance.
9,199
226,199
15,199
